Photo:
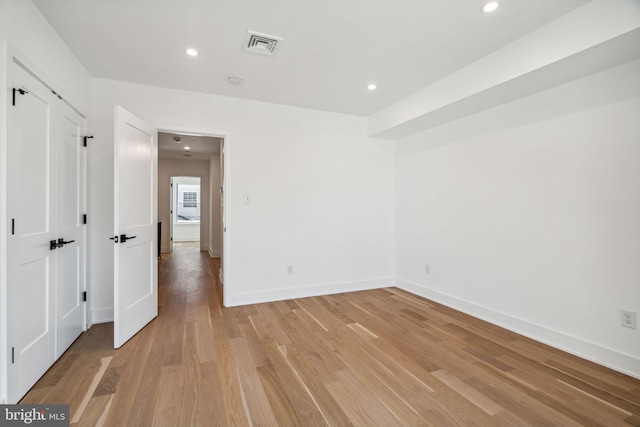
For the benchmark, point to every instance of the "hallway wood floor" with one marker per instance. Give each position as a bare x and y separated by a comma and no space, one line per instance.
382,357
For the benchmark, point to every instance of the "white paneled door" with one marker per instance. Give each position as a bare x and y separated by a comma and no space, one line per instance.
70,188
46,237
135,237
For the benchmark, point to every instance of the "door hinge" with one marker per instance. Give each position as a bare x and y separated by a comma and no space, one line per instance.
13,355
20,91
13,226
84,143
84,296
84,218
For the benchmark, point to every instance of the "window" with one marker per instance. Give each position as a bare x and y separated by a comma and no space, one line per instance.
187,199
190,199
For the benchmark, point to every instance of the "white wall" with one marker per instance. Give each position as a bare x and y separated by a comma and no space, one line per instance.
22,25
320,191
177,167
215,223
529,215
186,233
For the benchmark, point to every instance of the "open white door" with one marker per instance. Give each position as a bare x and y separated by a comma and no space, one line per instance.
135,237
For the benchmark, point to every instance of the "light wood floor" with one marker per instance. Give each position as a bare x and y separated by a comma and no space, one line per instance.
382,357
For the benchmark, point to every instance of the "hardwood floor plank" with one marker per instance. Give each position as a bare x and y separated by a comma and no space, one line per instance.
96,412
92,387
530,407
472,395
166,411
279,402
254,345
380,394
209,390
266,328
256,398
307,410
595,381
312,373
190,361
227,371
204,335
57,371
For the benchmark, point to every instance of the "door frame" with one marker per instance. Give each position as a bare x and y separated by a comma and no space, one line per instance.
170,225
4,101
226,217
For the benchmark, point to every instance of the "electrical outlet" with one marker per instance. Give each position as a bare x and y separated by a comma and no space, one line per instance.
427,269
628,319
289,269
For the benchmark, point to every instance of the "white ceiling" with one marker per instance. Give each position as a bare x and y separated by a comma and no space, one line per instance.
331,50
200,147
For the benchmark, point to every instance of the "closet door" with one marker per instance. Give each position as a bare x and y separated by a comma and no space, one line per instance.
32,212
46,245
70,165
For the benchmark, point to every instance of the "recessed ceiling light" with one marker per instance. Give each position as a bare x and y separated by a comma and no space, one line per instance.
371,86
235,80
490,7
187,148
192,52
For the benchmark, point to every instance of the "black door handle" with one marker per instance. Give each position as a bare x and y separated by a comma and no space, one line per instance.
114,238
124,238
61,242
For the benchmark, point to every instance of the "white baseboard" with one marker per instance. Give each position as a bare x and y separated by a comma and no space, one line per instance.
304,292
214,254
596,353
101,315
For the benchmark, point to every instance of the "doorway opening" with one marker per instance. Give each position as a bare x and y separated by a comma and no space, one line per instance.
186,207
190,190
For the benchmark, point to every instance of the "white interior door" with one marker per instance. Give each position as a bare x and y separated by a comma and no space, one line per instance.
135,257
31,208
70,164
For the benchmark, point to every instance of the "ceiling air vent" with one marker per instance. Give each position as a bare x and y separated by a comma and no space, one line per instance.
261,43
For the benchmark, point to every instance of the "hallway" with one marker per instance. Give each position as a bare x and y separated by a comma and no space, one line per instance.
380,357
